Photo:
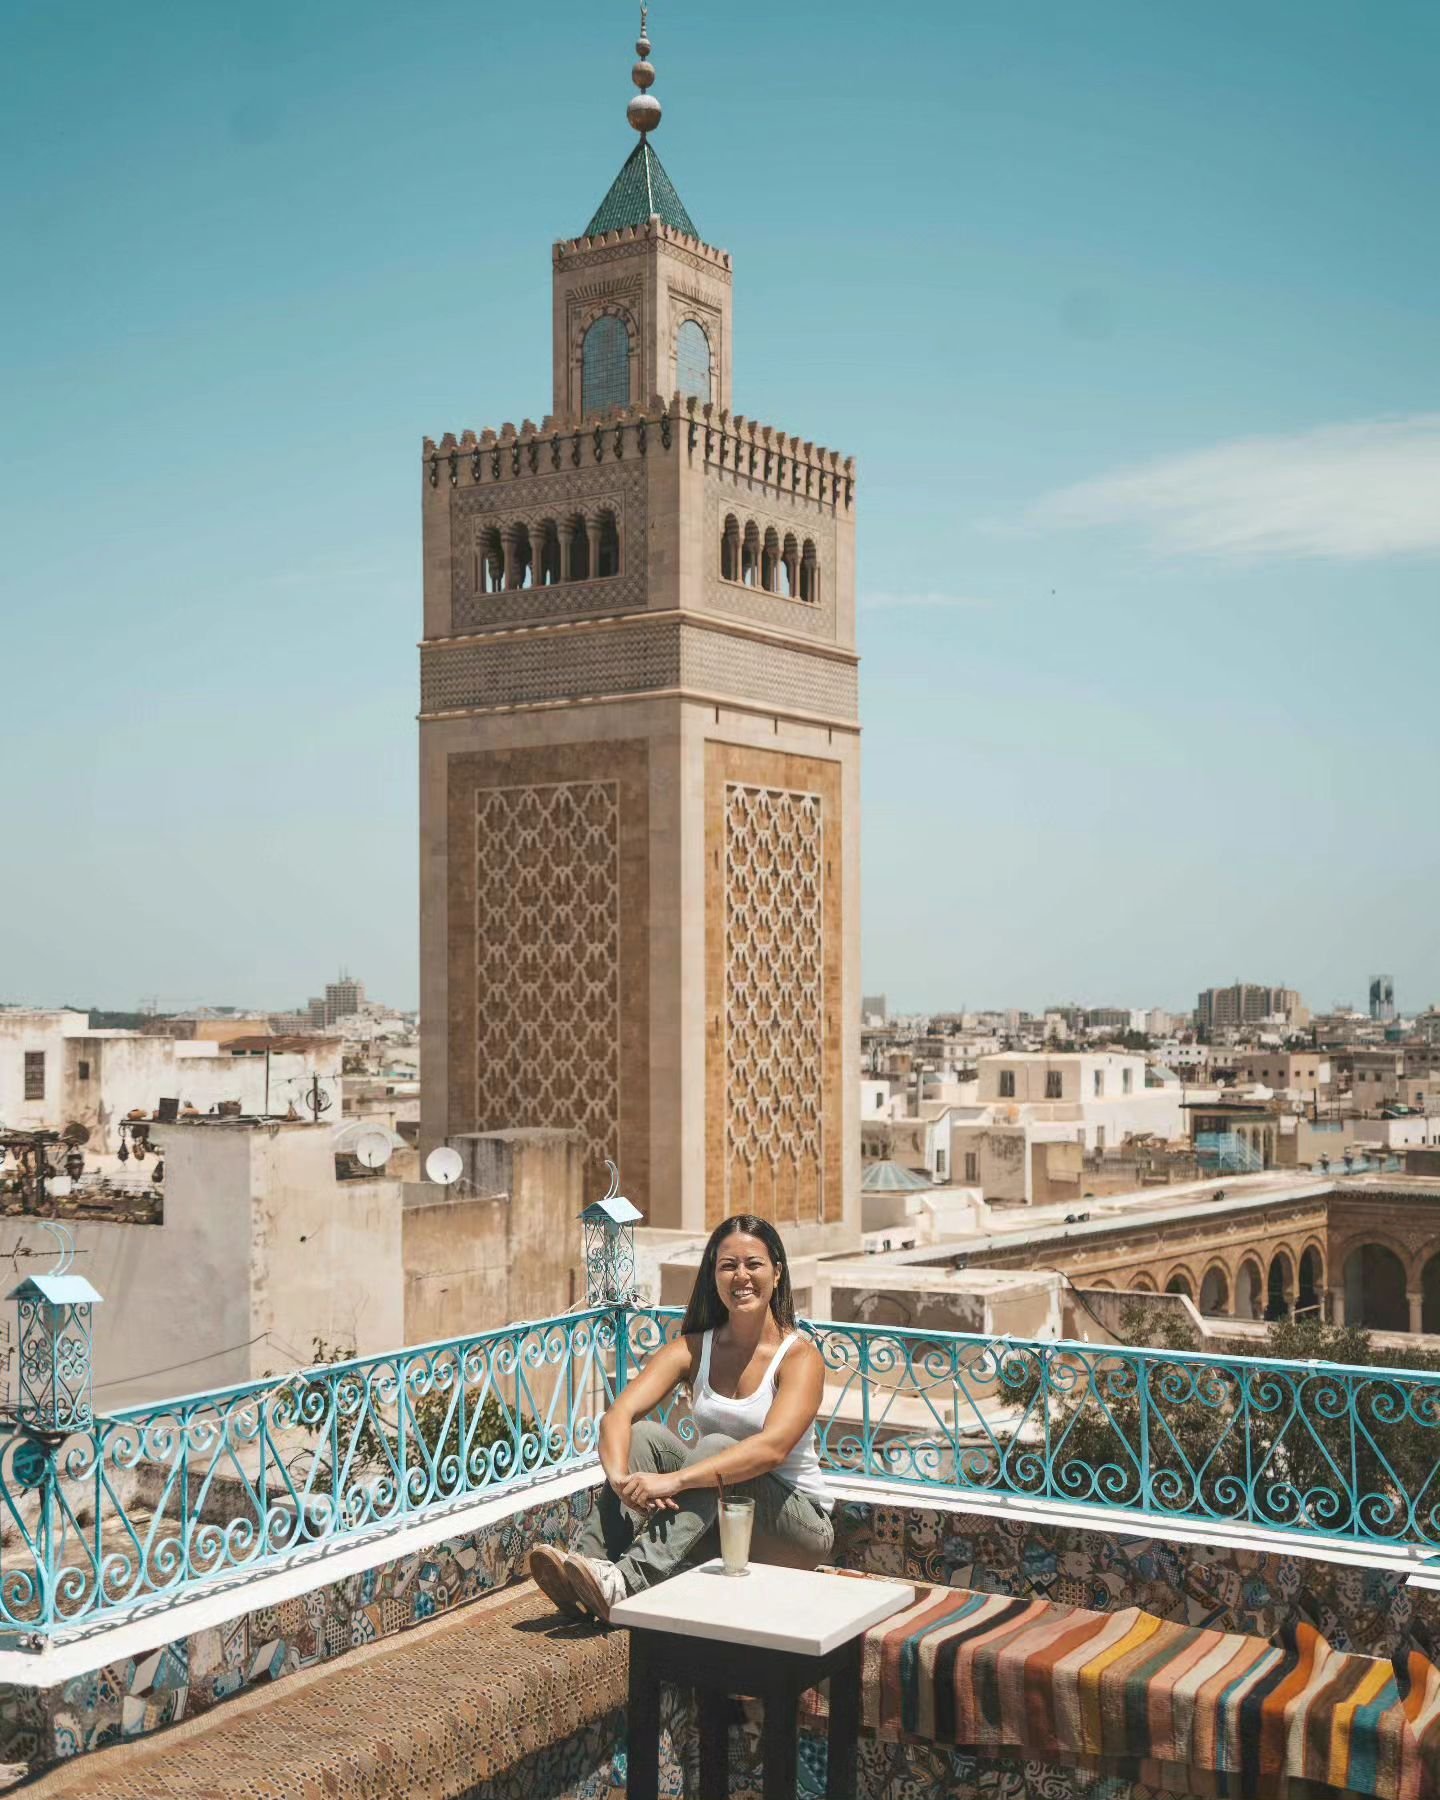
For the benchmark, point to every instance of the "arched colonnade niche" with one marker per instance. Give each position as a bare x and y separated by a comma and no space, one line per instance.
1215,1292
1310,1287
1279,1287
1430,1295
763,559
1249,1291
1375,1295
534,553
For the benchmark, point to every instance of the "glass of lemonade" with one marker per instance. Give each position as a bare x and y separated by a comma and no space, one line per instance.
737,1519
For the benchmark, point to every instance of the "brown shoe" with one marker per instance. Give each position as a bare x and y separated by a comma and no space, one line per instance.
547,1571
596,1585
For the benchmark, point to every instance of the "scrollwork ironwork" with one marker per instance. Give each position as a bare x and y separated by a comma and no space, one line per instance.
153,1500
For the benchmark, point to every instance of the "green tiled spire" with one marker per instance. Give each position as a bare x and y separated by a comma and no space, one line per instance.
641,188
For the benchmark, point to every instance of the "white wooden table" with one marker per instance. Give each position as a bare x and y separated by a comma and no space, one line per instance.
773,1632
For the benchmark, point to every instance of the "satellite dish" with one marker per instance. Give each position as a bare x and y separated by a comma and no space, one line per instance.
444,1165
373,1149
76,1134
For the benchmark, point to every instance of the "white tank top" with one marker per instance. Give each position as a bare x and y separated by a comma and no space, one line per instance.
743,1418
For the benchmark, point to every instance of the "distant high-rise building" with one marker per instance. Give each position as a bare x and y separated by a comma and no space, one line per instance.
1382,997
1247,1003
343,997
873,1009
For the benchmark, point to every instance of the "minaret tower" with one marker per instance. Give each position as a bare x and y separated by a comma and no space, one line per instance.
639,740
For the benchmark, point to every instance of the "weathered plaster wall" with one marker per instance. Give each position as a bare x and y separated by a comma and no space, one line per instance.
505,1243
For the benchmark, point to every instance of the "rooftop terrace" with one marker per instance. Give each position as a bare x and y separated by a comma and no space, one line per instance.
177,1555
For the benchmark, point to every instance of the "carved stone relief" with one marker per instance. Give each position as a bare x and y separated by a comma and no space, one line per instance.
774,1010
636,659
547,959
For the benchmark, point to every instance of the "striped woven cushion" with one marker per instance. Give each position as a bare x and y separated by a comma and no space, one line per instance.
993,1672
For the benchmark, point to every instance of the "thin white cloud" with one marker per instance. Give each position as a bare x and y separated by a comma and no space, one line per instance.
1349,492
888,602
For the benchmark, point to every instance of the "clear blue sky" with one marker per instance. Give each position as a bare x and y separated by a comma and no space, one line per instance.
1128,311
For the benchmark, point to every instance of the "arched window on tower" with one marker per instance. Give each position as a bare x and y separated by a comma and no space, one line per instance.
492,562
730,549
809,572
579,549
750,555
770,562
608,560
692,360
547,540
790,562
605,365
525,570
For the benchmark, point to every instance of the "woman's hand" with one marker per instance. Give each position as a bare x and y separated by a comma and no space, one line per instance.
650,1493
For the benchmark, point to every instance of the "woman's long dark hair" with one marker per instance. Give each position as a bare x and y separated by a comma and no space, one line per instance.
706,1309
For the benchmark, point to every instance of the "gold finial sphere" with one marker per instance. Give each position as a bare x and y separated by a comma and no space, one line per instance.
643,112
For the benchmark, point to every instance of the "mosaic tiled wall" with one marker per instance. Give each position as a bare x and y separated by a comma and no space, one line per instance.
591,1765
1252,1591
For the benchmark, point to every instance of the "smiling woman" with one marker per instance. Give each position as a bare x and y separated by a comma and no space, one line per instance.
755,1386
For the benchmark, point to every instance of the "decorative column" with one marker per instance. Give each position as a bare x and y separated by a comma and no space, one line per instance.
1417,1311
564,532
592,536
511,540
1337,1306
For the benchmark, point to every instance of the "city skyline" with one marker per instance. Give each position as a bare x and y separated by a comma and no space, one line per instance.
1147,449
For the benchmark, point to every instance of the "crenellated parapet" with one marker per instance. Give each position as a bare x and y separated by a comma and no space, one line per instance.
747,450
763,454
568,251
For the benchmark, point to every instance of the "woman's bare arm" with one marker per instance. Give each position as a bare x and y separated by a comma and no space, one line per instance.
658,1379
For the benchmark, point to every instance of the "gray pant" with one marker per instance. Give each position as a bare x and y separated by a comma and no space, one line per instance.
790,1527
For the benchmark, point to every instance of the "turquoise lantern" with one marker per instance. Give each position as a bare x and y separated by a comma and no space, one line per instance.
610,1247
55,1345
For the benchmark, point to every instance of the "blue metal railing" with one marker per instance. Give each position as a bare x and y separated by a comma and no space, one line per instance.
159,1498
1227,1153
159,1501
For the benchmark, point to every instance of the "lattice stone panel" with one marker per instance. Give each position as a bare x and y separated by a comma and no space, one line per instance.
774,1000
547,960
